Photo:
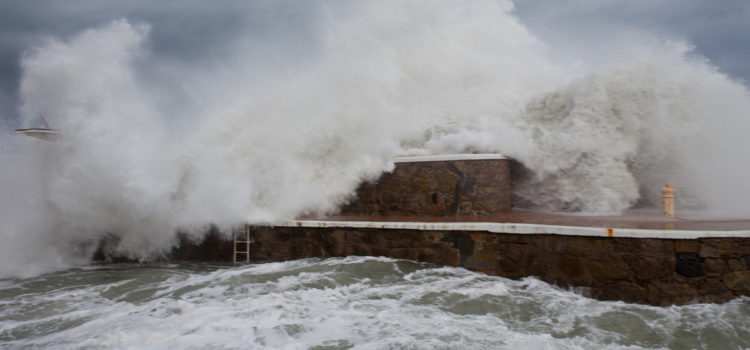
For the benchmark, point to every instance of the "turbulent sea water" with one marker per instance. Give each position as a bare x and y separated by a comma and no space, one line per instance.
342,303
287,115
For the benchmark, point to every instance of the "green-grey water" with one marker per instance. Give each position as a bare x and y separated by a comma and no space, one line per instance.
344,303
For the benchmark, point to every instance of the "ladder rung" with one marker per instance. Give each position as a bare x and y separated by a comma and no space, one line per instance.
238,242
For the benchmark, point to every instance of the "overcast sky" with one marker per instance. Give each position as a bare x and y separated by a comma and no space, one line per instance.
195,30
718,28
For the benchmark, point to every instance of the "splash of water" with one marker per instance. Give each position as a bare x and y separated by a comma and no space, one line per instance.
153,145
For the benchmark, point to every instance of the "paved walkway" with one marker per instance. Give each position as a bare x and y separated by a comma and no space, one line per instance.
634,219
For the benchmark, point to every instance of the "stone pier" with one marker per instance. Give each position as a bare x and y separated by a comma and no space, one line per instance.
455,211
658,267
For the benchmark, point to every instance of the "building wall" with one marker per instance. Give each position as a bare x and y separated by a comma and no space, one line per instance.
437,188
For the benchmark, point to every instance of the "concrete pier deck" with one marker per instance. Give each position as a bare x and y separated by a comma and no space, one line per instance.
633,219
633,224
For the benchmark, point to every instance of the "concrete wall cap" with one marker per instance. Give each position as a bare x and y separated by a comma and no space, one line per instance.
515,228
449,157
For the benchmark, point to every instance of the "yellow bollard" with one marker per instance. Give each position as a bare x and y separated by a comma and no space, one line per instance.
667,201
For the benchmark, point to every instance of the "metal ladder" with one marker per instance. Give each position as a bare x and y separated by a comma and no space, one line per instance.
242,237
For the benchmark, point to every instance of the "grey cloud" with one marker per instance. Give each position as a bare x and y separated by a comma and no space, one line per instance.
717,29
185,31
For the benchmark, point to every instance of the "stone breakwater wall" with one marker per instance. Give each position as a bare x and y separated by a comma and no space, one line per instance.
458,185
653,271
658,267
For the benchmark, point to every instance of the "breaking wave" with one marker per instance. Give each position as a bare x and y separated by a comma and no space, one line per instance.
262,132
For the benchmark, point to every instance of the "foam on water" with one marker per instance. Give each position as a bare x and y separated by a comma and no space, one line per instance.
355,302
264,131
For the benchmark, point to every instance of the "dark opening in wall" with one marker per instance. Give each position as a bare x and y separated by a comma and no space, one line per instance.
688,264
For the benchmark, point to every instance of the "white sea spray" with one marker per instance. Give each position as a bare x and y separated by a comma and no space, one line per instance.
152,145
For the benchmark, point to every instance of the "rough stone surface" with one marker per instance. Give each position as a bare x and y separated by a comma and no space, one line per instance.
444,188
738,281
215,246
642,270
629,269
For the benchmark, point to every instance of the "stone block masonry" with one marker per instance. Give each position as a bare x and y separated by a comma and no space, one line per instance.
432,186
651,266
643,270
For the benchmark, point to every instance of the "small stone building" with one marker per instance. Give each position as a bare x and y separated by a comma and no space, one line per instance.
438,186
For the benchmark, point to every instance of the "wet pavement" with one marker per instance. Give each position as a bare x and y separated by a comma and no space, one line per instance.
633,219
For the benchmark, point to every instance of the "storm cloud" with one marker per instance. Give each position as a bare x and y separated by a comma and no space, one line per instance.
717,29
181,32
